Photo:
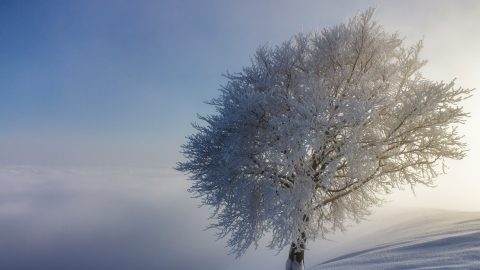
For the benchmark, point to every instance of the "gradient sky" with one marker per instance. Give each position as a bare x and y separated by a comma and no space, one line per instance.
116,83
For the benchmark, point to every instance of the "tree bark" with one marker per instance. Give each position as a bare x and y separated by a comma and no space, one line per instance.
296,255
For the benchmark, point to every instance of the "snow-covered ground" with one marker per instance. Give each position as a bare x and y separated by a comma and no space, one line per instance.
425,239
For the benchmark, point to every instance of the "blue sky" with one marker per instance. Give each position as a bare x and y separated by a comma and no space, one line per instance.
118,82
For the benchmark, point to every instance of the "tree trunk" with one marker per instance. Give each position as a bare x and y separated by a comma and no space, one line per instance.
295,258
296,255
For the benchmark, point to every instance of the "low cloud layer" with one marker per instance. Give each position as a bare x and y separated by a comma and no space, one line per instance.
126,219
71,219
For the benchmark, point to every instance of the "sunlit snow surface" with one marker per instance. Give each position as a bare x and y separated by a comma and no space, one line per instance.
429,239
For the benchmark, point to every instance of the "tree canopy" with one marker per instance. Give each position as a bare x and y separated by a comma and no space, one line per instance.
316,130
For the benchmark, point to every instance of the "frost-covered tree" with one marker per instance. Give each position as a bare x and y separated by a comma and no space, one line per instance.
316,131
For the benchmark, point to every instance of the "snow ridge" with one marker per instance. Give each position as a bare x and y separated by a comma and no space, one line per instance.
437,240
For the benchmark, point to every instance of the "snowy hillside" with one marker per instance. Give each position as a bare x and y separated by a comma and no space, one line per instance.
428,239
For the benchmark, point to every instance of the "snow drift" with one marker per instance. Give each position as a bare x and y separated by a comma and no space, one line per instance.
427,239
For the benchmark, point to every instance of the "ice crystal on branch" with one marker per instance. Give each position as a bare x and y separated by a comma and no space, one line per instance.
316,130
